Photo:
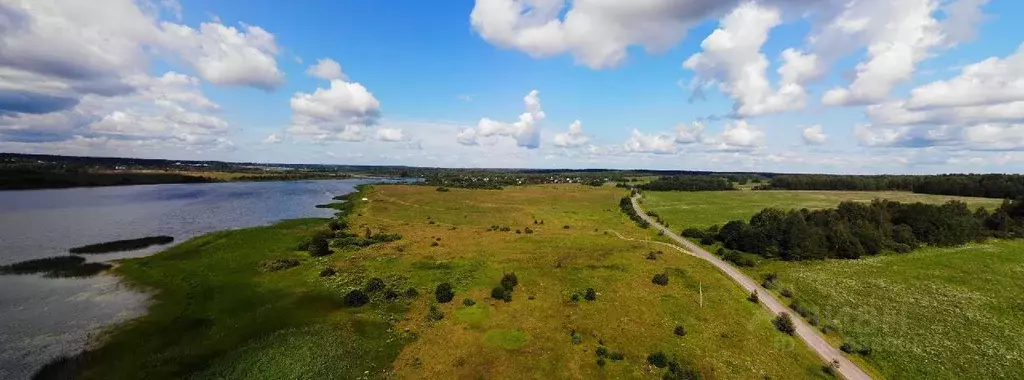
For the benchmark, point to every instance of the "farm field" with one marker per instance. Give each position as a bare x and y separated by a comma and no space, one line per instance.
219,313
935,313
681,209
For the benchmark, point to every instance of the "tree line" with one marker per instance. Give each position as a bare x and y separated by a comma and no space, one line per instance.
1007,186
688,183
855,229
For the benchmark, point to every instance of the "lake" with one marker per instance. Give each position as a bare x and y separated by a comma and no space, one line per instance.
43,318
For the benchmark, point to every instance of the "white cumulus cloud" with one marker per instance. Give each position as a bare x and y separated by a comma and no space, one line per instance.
814,135
573,138
326,69
526,131
655,143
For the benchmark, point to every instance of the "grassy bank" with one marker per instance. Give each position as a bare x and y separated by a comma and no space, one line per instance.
234,304
936,313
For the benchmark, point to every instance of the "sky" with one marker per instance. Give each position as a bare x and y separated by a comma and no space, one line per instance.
832,86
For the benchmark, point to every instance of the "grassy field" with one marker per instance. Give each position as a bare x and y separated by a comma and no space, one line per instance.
216,315
703,208
936,313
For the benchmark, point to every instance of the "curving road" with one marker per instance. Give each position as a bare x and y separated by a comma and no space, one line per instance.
810,335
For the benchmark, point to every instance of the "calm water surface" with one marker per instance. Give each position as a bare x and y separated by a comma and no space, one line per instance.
42,318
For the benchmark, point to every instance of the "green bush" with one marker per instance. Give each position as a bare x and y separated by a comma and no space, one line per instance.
576,338
601,352
509,281
600,362
434,244
328,272
678,371
444,293
786,292
660,279
658,359
616,356
335,225
679,330
319,247
434,314
356,298
575,297
652,256
501,293
693,233
468,302
590,295
707,240
769,280
566,227
528,230
753,297
784,323
375,285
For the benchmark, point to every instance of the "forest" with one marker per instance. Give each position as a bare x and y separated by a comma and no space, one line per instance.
855,229
1007,186
688,183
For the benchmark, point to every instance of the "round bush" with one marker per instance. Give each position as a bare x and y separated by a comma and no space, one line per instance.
591,295
784,323
679,330
444,293
468,302
658,359
328,272
356,298
375,285
509,280
660,279
412,292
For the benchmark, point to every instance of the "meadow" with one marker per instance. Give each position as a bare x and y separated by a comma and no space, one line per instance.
251,304
681,209
935,313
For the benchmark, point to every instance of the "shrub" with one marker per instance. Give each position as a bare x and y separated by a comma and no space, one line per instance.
375,285
601,352
575,297
444,293
658,359
678,371
468,302
277,265
328,272
519,232
431,222
434,314
652,256
391,294
434,244
616,356
769,280
600,362
707,240
501,293
800,309
443,189
693,233
509,280
848,348
787,292
753,297
566,227
335,225
576,338
660,279
784,323
590,295
680,330
319,247
528,230
412,292
356,298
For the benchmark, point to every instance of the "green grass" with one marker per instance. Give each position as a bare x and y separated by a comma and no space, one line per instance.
216,315
937,313
682,209
507,339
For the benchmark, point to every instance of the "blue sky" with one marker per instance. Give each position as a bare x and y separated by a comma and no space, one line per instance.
874,87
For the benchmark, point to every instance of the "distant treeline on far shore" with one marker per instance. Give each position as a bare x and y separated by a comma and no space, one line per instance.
1007,186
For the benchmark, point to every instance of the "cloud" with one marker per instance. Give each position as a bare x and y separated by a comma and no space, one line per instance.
813,135
227,55
390,135
731,58
989,82
574,138
656,143
689,134
526,131
340,112
273,138
326,69
596,32
738,135
465,97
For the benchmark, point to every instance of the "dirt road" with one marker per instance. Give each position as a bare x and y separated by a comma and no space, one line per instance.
810,335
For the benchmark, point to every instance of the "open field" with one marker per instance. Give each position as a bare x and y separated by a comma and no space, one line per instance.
936,313
682,209
217,315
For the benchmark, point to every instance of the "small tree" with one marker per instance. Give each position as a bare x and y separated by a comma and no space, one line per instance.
590,295
501,293
356,298
658,359
652,256
784,323
444,293
434,314
319,247
412,292
680,330
753,297
509,280
660,279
